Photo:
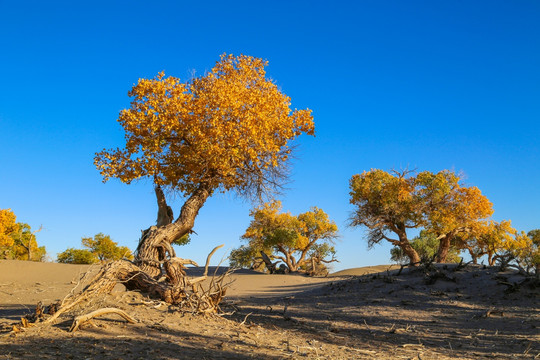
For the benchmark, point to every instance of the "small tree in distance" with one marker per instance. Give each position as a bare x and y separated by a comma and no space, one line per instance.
25,246
298,242
17,240
8,226
77,256
100,248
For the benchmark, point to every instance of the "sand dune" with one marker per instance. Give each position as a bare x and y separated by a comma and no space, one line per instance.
361,313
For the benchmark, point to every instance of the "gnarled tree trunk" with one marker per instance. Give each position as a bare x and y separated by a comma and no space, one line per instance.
155,270
155,245
444,248
405,245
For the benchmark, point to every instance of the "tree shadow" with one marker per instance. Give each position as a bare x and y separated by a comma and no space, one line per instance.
469,313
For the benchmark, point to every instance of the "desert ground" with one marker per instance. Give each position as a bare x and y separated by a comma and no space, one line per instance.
375,312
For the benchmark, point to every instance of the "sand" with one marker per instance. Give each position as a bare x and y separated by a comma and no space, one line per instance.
362,313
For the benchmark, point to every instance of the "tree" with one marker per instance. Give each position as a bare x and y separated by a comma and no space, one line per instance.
427,246
8,226
25,246
297,241
387,203
77,256
105,249
525,250
229,130
491,238
439,203
17,241
451,209
100,248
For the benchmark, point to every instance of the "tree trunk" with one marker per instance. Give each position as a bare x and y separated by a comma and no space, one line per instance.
405,245
411,253
155,243
444,248
156,270
491,259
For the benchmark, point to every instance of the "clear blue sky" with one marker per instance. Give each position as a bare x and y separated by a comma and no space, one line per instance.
429,85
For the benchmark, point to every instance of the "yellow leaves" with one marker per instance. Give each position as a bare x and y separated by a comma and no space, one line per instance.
526,249
269,227
229,128
8,226
383,198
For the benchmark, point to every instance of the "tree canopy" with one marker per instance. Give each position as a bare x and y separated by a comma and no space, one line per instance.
293,240
229,129
77,256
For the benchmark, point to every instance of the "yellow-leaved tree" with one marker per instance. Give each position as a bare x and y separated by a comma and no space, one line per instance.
228,130
452,210
300,242
8,226
390,204
490,238
524,250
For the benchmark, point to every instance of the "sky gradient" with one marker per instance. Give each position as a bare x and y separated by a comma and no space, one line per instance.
426,85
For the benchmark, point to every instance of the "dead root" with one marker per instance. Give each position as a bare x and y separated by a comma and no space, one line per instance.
174,288
80,320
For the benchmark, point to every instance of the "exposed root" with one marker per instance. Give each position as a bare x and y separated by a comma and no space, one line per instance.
80,320
172,287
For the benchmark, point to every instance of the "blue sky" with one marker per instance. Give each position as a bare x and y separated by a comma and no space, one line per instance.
429,85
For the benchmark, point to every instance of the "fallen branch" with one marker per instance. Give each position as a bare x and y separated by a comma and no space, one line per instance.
79,320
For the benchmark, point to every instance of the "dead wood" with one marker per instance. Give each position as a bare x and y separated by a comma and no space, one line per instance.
272,267
80,320
174,288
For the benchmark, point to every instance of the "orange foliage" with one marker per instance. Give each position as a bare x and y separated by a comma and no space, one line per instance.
391,203
228,129
291,239
8,226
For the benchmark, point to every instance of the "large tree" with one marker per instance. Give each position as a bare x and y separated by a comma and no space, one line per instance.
228,130
389,204
293,240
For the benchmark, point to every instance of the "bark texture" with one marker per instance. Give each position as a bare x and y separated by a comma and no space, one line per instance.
444,248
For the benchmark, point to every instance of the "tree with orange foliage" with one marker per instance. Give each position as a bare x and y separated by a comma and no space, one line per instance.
452,210
439,203
8,226
387,203
524,250
293,240
229,130
490,238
